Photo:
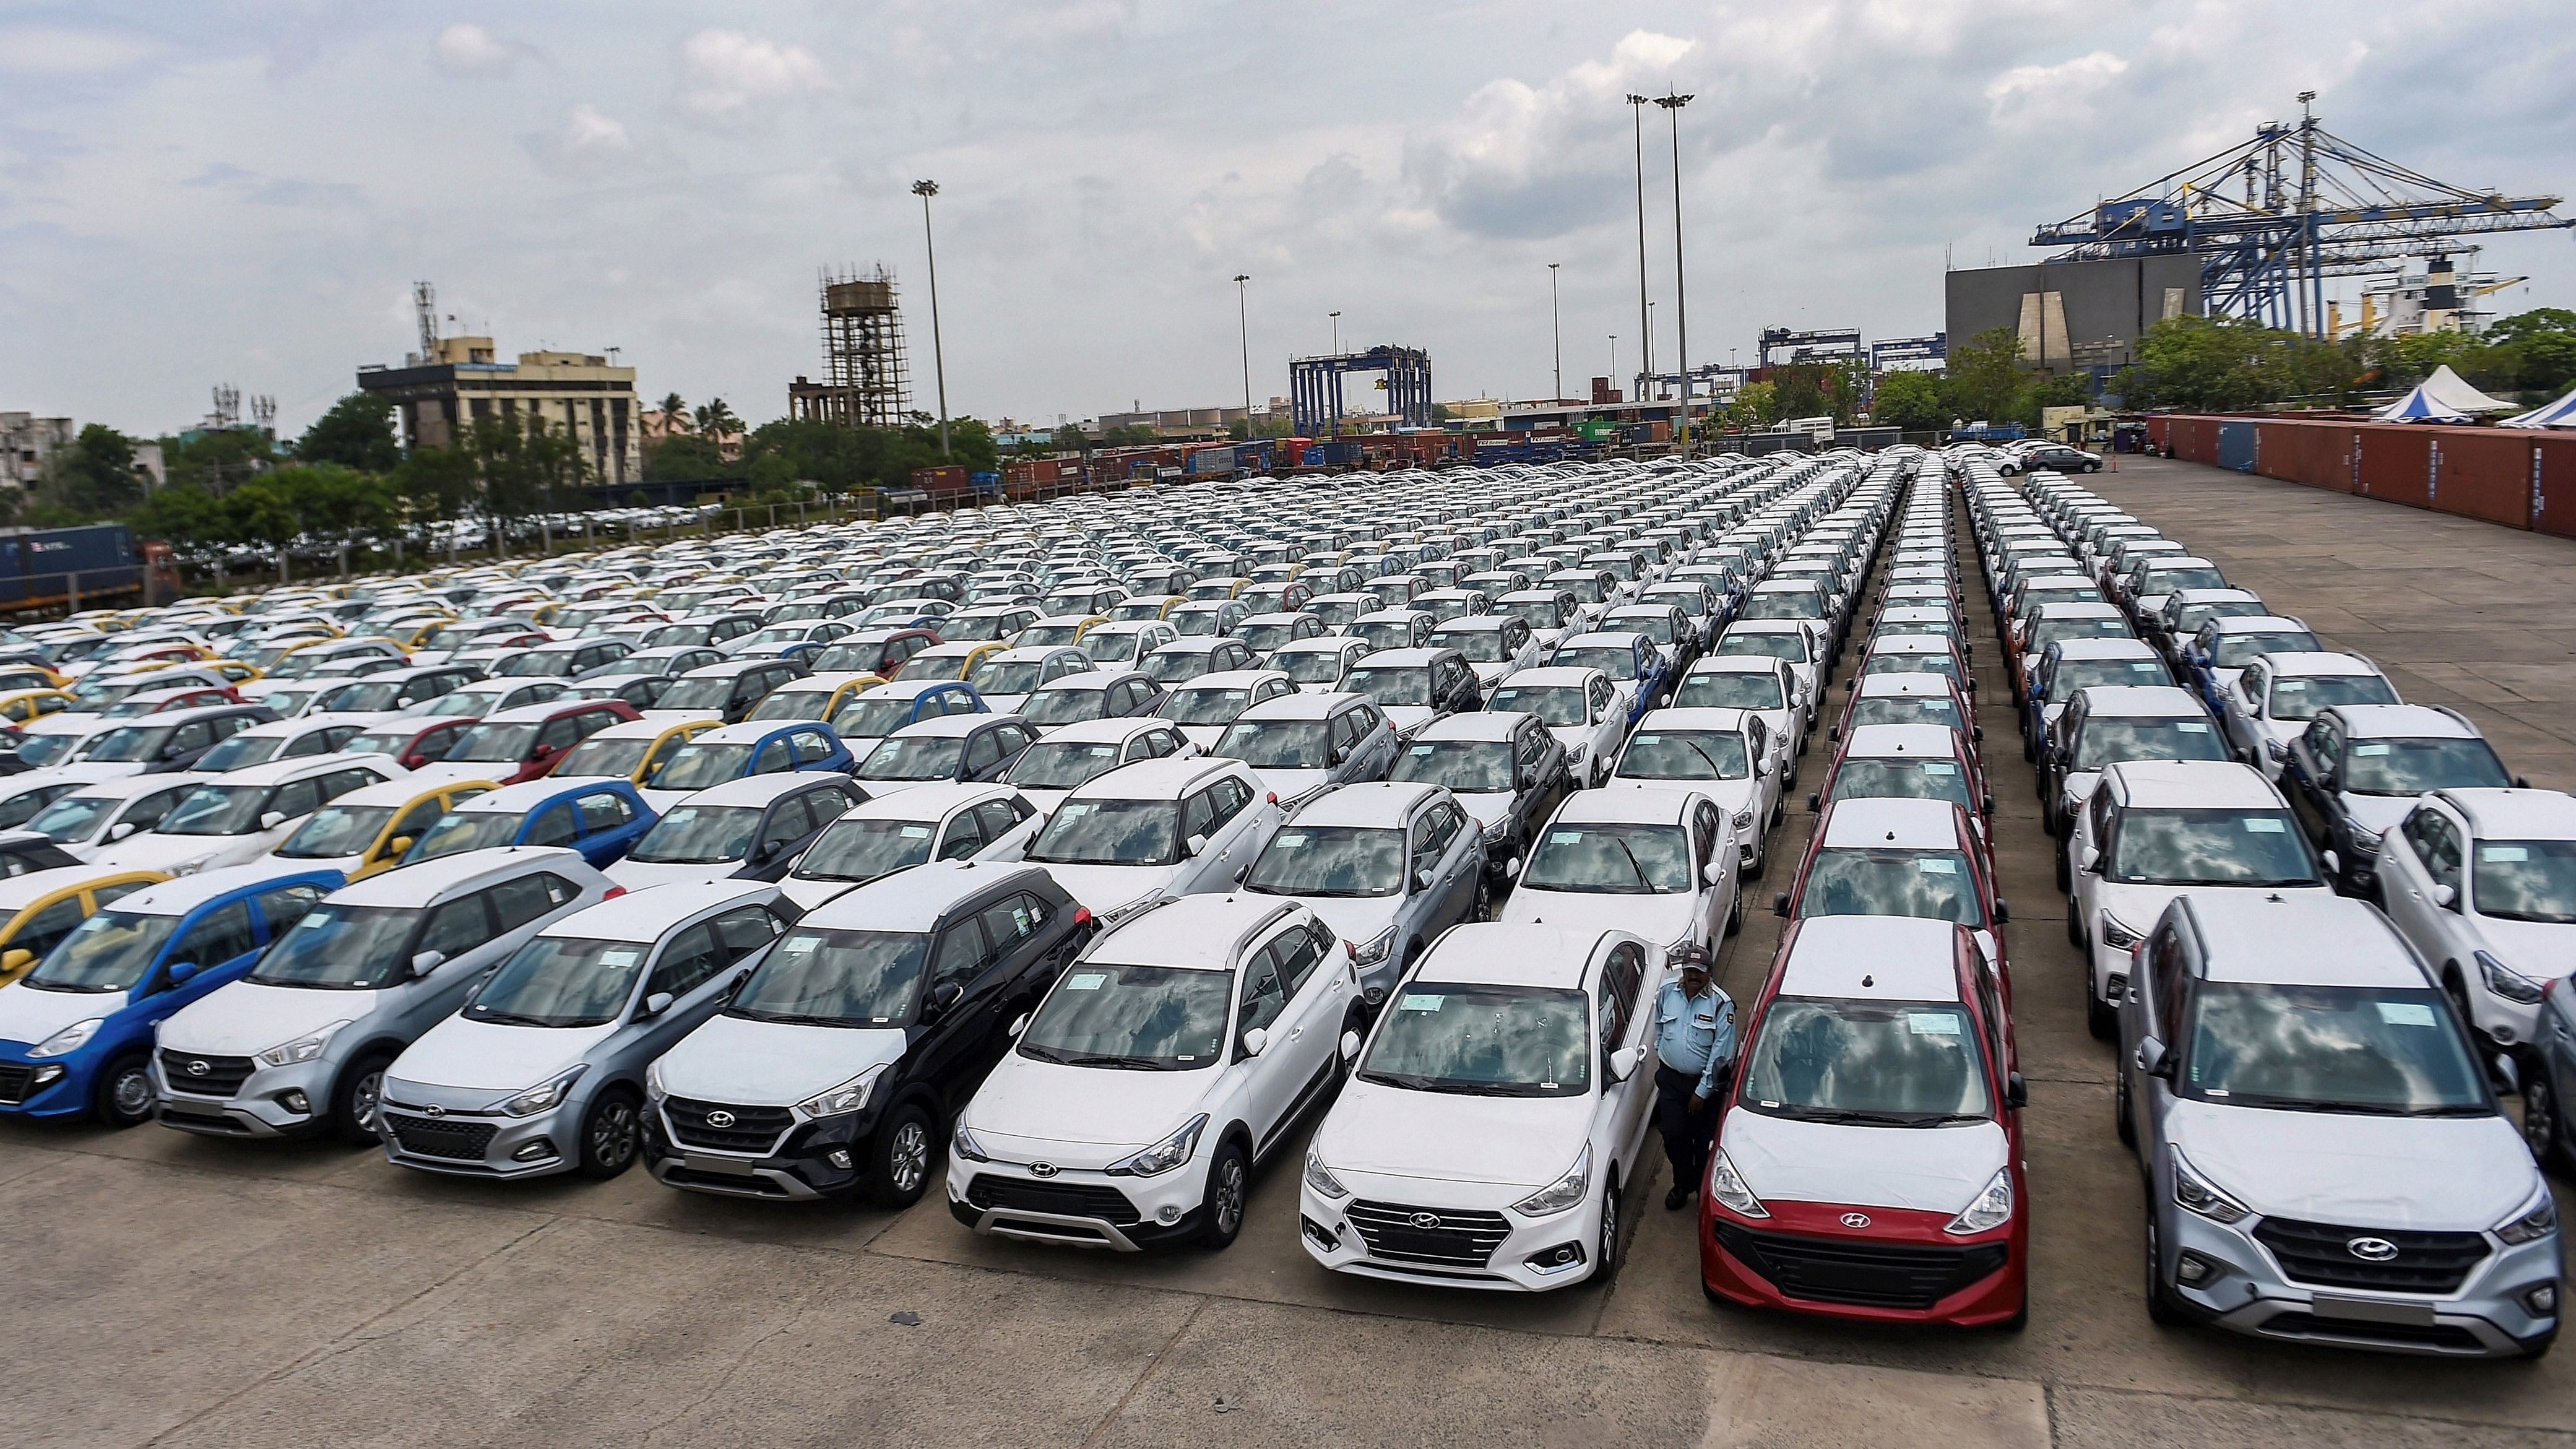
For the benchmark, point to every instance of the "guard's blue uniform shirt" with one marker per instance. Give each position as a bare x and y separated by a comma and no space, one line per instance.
1695,1034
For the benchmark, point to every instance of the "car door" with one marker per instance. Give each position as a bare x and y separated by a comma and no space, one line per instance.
2406,875
696,967
1710,834
789,824
953,1036
468,937
1271,1079
1007,832
2241,714
1621,1017
221,943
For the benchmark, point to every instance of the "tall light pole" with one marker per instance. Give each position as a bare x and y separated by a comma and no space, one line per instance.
1672,102
1333,427
1614,355
1243,318
938,355
1556,335
1645,317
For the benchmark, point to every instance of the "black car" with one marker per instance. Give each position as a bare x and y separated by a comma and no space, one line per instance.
172,740
730,689
964,748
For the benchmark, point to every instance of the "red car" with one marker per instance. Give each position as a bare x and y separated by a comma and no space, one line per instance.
1868,1159
1888,857
511,745
1916,761
1918,698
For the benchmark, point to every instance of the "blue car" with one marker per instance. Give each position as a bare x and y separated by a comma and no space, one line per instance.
76,1030
600,817
1631,659
739,751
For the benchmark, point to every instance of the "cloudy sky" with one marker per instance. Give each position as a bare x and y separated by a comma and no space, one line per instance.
198,191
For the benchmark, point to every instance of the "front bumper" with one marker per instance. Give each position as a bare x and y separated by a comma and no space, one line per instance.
260,1106
1076,1206
46,1087
1472,1239
1899,1267
802,1161
433,1131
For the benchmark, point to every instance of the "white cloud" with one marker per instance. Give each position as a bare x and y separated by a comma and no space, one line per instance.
46,50
2028,92
585,129
471,50
726,75
588,139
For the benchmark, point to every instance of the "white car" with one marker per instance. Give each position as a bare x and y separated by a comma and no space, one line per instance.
908,828
1497,646
1800,643
1659,862
1727,754
1154,830
1204,706
283,739
1174,1055
1303,744
1765,686
88,819
1078,753
2273,697
2476,880
1493,1115
2172,826
1580,706
238,817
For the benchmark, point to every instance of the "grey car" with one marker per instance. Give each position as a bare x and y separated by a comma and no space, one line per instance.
1301,743
1388,865
542,1072
2279,1052
301,1044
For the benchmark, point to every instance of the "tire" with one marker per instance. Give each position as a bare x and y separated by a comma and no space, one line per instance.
1735,915
2100,1017
899,1159
2161,1304
2065,868
2121,1112
1482,907
611,1134
1229,1182
125,1096
2075,925
2540,1109
1607,1243
354,1097
2021,1314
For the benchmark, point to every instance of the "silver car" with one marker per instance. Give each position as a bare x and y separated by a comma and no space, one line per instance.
543,1071
2278,1053
1389,866
1300,744
301,1044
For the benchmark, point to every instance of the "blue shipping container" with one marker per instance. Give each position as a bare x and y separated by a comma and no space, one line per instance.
2236,446
35,562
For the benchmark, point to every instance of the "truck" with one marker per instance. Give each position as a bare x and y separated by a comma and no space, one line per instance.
81,567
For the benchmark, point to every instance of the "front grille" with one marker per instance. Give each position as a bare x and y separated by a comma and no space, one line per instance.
1063,1199
2321,1254
15,1079
752,1129
428,1137
1860,1272
204,1076
2447,1338
1443,1237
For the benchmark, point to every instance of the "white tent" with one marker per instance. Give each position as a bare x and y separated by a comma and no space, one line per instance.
2420,406
2453,391
2559,414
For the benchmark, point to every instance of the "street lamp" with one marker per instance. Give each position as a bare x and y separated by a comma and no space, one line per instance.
1556,335
938,355
1645,317
1243,318
1672,102
1333,427
1614,355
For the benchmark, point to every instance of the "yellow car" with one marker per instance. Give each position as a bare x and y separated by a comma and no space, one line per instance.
368,829
412,631
950,661
43,906
632,750
21,705
814,697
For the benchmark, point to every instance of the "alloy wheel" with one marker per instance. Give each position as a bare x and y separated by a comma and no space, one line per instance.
364,1098
612,1135
2540,1113
908,1156
1229,1194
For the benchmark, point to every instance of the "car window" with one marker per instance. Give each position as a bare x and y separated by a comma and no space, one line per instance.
517,902
419,818
296,798
218,936
2442,850
983,752
790,820
48,927
965,837
960,955
1265,991
561,732
1012,921
1296,954
459,926
743,930
603,810
341,782
286,905
810,746
552,826
997,819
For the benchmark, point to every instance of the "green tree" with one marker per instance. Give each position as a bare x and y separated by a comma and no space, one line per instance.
1133,435
436,484
1983,375
358,432
95,475
1756,406
715,419
1909,400
219,458
675,412
2220,364
185,516
683,456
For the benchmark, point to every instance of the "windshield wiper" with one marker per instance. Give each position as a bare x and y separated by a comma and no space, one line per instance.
32,984
1123,1063
1634,869
790,1018
509,1018
1848,1115
1944,1119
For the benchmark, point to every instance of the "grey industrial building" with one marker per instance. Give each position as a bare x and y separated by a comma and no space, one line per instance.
2078,315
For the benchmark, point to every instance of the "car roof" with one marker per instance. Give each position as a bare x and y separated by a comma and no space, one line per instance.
1647,804
751,730
2299,938
1552,674
18,892
1932,741
1873,958
539,713
125,787
2255,624
1107,731
913,900
1377,802
277,772
2317,661
1301,706
528,794
2102,649
652,726
1907,684
2507,813
2402,721
400,790
2139,701
423,881
2193,784
1410,657
646,914
761,789
178,896
1695,717
1162,779
949,726
1090,680
1494,953
1480,724
1881,821
936,800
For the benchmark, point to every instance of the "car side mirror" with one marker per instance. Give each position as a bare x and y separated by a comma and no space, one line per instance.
15,959
1350,1045
2091,864
1780,905
181,971
1989,803
399,845
943,998
1333,759
1623,1062
2152,1059
542,752
1713,873
1834,733
1421,880
120,830
2016,1092
1255,1040
2331,861
1196,845
2443,894
1019,1023
655,1004
1512,868
2522,782
2003,911
2507,1076
425,962
271,819
414,760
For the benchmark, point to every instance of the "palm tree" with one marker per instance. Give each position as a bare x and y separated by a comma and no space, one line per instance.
716,420
675,413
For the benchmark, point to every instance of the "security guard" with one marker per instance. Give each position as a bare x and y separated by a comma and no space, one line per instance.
1694,1056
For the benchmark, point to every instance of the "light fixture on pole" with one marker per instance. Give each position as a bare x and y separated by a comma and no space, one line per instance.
1672,102
1556,335
1645,314
1243,318
1614,355
1333,427
938,355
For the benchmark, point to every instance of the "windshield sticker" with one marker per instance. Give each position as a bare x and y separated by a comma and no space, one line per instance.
619,960
801,945
315,923
2504,854
1421,750
2405,1013
2289,686
1292,842
1937,867
2370,749
2143,666
2265,827
2192,727
1650,739
1565,837
1423,1002
1085,980
915,832
1939,767
1932,1023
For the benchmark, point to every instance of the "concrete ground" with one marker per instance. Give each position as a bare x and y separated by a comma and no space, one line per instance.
167,1289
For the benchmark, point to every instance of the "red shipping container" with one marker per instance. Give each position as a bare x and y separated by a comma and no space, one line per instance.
2396,463
2159,429
2485,473
2276,449
2553,484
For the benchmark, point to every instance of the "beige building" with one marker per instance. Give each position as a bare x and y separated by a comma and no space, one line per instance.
440,397
26,441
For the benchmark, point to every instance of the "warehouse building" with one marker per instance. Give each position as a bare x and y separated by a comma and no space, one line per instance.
2071,316
439,397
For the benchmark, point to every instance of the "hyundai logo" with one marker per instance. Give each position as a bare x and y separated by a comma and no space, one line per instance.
719,1118
1042,1169
1426,1220
2371,1250
1855,1220
434,1110
199,1068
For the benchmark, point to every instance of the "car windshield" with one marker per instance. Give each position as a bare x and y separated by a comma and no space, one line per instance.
701,763
217,810
2234,651
709,693
2411,767
1658,627
2190,617
2209,847
914,757
699,835
1387,684
1444,610
335,830
241,750
462,830
1557,705
457,704
1141,1018
1671,754
537,664
2172,580
596,757
1384,634
1471,767
495,743
2048,631
1109,832
1483,1041
867,717
1619,661
2302,698
1330,860
375,694
2075,674
995,676
1792,647
1537,613
1879,779
1931,709
111,951
1267,636
859,851
1908,662
2526,880
343,948
1614,859
792,704
1322,666
1481,646
1039,636
1278,744
1784,604
39,752
128,745
1063,764
1875,1063
561,981
2385,1051
72,817
2105,741
1048,708
836,978
1933,884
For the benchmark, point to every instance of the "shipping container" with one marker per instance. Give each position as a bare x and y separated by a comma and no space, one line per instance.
40,567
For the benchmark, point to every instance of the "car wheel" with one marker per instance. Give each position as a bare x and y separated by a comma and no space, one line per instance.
2161,1305
899,1159
1735,915
609,1134
125,1094
1482,908
1228,1184
2100,1017
2120,1109
1608,1246
2074,924
2065,868
2454,987
355,1097
2540,1127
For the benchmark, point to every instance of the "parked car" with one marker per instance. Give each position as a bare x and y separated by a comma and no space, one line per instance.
1161,828
600,820
734,752
371,829
1388,865
236,818
965,748
1659,862
2356,769
2482,883
750,829
1504,768
1725,754
2276,695
1075,754
40,907
1208,704
1580,707
878,837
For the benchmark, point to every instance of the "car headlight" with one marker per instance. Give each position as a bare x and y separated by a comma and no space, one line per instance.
1500,830
2118,934
2536,1221
70,1039
844,1099
1580,749
1563,1193
1992,1209
966,1145
545,1096
1726,1188
1163,1156
2506,982
654,1086
1743,819
2192,1192
1374,949
302,1049
2364,842
1321,1179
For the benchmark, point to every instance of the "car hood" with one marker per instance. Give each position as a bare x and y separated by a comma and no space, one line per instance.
1392,1132
1408,717
30,1016
244,1018
1488,807
441,770
491,1056
1731,796
636,875
151,850
1044,800
810,894
1357,919
2538,949
1921,1169
1005,703
90,772
1577,739
1104,888
2463,1174
1203,736
1660,919
663,800
2378,814
772,1064
1293,785
1489,675
1029,1109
